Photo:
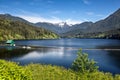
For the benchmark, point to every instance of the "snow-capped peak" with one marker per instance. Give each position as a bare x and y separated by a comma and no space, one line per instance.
61,24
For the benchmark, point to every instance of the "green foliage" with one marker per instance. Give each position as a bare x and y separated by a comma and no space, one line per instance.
82,69
83,64
20,30
96,76
117,77
11,71
49,72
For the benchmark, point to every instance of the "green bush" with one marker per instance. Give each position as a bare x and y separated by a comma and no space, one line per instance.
83,64
96,76
11,71
49,72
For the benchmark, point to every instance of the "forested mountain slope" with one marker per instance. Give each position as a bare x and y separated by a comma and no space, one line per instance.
10,29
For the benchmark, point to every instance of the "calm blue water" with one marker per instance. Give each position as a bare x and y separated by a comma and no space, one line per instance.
62,52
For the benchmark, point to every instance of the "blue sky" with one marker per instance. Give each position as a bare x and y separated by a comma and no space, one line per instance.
54,11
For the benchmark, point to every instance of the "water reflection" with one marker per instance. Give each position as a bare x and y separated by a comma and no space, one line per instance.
107,60
56,56
115,58
44,52
9,53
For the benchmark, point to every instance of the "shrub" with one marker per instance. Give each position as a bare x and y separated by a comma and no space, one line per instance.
11,71
83,64
49,72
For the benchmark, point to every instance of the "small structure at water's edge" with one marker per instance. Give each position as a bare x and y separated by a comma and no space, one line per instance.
26,47
10,42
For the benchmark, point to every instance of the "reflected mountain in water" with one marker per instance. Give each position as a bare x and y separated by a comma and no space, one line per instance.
115,56
9,53
55,56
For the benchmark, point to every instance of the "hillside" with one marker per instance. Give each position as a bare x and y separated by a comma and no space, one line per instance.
12,18
11,28
106,28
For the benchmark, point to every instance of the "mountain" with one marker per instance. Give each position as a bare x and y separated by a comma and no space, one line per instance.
101,29
13,18
112,22
49,26
107,28
62,28
77,28
58,28
17,28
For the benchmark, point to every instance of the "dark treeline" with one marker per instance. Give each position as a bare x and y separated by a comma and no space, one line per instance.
112,34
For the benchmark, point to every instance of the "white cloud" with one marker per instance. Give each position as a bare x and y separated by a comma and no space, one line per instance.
32,18
52,19
70,21
35,19
86,2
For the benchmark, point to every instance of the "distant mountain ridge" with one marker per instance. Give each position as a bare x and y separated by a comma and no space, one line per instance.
57,28
17,28
109,26
99,29
13,18
110,23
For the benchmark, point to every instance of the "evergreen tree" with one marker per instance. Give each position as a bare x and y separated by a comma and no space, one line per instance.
83,64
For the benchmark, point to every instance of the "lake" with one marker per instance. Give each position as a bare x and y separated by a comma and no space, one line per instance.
62,52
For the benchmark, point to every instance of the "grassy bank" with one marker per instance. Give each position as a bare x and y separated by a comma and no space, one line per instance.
48,72
82,69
